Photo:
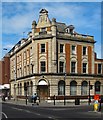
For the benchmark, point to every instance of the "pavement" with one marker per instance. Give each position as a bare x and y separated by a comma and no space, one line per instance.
43,103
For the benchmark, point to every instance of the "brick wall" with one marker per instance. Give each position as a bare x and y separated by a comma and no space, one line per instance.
89,59
67,51
79,58
5,71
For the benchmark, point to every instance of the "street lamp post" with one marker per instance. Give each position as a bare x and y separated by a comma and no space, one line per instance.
64,87
89,95
25,89
15,79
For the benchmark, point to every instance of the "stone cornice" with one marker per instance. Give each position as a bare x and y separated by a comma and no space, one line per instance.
60,74
45,36
21,47
74,38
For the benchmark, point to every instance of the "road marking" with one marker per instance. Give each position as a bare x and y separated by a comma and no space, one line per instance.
16,108
52,118
27,111
4,115
59,109
99,113
37,113
93,111
24,110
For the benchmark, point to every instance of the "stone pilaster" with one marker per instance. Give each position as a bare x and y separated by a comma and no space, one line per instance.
54,46
79,88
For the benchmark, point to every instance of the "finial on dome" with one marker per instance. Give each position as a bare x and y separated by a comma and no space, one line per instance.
43,11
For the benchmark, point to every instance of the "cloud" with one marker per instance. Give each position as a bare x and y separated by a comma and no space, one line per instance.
64,10
16,24
8,46
17,17
98,50
21,15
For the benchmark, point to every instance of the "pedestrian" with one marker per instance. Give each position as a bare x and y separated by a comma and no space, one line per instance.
100,101
34,97
8,95
37,101
3,97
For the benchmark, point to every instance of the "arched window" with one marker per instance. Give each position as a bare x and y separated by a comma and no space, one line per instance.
84,88
28,88
67,30
20,89
97,87
31,88
25,84
73,88
61,87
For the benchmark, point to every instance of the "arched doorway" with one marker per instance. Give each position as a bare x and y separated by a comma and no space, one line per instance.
43,89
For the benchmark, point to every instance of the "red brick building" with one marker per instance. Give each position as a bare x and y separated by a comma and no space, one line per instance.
5,74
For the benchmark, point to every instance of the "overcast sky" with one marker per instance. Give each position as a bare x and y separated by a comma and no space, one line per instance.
17,18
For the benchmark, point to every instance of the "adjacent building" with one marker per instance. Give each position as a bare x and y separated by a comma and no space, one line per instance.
5,75
55,60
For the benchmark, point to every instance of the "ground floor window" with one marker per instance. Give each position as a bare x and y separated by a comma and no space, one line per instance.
20,89
28,90
25,92
73,88
84,88
31,88
97,87
61,87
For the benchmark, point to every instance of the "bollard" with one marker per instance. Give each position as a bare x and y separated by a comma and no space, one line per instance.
26,100
37,101
96,105
64,100
54,99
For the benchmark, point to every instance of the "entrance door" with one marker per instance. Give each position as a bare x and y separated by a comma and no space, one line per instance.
42,91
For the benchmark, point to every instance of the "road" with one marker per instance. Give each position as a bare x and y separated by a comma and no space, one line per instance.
50,113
